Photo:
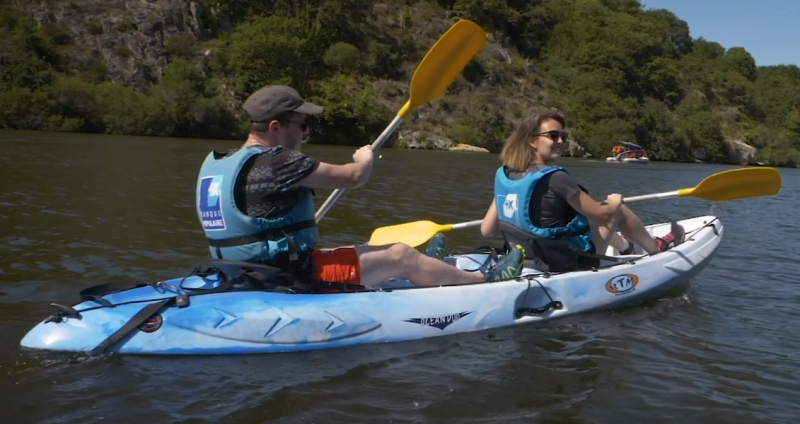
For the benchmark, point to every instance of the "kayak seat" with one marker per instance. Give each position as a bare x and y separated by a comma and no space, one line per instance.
241,275
271,278
548,255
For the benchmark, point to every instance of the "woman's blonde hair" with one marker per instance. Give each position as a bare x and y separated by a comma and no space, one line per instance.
517,153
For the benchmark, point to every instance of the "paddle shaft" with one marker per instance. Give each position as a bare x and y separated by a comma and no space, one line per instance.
375,146
469,224
664,195
478,222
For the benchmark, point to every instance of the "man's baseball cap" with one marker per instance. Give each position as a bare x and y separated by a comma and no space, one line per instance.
273,100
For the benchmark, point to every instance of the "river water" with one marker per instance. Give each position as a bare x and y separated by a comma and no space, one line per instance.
77,210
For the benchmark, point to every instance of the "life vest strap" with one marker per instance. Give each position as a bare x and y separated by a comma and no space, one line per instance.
263,236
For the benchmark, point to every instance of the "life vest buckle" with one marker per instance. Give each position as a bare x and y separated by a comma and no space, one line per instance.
293,250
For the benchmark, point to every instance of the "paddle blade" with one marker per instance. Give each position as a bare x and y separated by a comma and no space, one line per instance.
736,184
444,61
410,233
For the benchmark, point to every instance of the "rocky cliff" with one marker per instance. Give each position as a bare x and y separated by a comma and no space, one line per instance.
134,40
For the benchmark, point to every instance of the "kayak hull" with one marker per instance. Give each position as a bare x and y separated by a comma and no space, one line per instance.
241,322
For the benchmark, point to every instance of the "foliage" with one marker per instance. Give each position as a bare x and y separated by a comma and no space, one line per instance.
618,71
270,50
343,57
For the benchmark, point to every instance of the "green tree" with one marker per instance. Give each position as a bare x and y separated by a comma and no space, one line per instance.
270,50
343,57
192,107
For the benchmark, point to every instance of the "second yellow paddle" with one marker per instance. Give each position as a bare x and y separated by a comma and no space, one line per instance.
414,233
723,186
727,185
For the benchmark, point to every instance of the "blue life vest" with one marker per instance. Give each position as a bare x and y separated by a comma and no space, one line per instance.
513,197
232,234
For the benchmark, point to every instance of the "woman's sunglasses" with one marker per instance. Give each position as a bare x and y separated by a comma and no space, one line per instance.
554,135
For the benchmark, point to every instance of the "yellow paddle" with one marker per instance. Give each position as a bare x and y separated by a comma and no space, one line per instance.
414,233
721,187
727,185
438,69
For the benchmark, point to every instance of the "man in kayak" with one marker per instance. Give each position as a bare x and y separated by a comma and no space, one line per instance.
255,204
542,207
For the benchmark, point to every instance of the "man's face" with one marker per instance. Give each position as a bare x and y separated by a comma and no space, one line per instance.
291,131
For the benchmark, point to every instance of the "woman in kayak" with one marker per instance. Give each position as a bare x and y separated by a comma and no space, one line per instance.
542,207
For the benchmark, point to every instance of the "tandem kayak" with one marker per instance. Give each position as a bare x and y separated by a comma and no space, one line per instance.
223,311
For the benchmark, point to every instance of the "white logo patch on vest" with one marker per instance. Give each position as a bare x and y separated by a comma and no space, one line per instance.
211,203
510,205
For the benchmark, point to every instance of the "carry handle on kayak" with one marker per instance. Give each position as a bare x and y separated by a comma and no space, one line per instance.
438,69
721,187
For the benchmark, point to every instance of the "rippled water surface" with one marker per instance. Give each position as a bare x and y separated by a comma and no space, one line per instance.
76,210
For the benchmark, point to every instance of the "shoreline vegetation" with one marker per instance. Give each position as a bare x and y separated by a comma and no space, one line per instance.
177,68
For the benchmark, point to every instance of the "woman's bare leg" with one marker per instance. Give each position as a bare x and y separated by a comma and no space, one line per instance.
606,235
634,230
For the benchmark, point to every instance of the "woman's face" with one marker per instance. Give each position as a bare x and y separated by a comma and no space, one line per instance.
548,143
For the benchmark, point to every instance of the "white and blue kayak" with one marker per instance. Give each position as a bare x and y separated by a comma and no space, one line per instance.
230,310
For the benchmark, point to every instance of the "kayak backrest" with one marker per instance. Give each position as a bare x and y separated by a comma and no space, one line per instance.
549,255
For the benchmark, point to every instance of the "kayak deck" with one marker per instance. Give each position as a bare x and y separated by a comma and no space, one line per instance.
187,317
471,261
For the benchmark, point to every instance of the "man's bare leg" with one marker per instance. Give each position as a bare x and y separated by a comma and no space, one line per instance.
380,263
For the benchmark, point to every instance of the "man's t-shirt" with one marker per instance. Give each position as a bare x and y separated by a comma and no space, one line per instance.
549,207
267,186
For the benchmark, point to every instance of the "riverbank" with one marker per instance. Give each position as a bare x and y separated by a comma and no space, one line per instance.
738,153
409,140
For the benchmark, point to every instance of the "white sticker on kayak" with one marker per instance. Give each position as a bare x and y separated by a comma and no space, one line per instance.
211,203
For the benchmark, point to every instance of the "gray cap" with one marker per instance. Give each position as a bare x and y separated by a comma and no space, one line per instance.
274,100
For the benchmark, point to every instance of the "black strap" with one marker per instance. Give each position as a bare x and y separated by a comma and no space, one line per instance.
263,236
135,321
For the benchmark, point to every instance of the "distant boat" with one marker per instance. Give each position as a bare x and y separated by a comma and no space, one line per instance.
627,152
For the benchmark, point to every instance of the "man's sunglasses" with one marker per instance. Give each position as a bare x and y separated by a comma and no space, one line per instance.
554,135
303,126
